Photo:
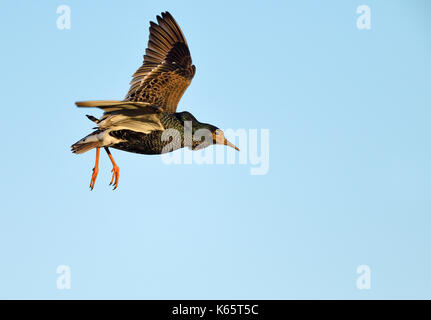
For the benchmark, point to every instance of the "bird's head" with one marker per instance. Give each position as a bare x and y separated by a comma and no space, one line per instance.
211,132
219,138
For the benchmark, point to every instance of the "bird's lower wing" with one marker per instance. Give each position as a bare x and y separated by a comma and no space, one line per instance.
126,115
144,123
115,105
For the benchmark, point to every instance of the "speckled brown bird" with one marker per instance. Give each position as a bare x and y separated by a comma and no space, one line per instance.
137,123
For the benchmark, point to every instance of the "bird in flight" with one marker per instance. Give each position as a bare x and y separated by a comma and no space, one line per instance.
146,121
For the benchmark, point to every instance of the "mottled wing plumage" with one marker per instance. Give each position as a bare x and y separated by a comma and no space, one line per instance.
167,70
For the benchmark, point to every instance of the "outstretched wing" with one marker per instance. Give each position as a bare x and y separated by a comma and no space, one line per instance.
167,70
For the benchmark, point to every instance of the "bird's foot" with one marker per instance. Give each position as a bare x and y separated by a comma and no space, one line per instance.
93,177
115,176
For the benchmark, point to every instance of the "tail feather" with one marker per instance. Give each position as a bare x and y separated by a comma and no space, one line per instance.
81,147
86,144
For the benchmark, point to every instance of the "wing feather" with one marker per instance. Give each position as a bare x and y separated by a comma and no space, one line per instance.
119,115
167,70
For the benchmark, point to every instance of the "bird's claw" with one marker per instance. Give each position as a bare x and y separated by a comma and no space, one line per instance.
115,177
93,177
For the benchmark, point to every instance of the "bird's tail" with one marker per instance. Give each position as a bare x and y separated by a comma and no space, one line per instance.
85,144
80,147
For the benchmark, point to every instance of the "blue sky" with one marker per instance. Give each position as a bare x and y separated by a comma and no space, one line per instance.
348,112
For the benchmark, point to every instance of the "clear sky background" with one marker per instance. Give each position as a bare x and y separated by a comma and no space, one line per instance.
350,163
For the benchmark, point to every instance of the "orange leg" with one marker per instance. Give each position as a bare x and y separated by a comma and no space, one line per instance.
95,170
115,170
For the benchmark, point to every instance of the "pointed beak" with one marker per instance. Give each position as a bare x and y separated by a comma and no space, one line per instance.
218,138
226,142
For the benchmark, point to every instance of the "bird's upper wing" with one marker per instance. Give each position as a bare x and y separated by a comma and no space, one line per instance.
167,70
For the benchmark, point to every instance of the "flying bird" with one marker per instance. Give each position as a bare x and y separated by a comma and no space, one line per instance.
139,123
